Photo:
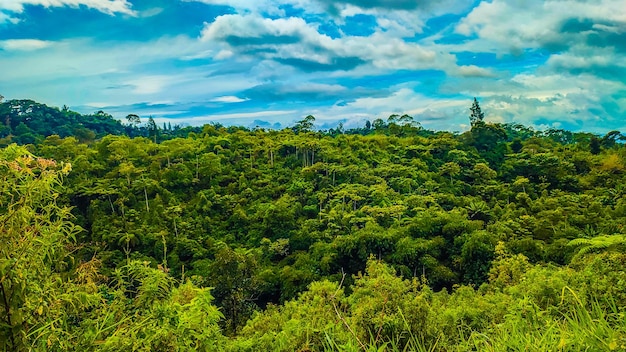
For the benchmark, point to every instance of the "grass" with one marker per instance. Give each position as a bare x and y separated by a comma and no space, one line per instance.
584,326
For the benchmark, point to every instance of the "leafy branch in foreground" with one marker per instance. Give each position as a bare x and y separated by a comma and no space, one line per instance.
35,234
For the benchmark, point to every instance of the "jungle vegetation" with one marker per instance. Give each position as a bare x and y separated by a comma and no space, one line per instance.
387,237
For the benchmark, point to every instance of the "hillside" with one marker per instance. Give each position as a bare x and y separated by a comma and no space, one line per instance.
26,121
388,235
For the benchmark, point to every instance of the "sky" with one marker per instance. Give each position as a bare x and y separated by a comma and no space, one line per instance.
269,63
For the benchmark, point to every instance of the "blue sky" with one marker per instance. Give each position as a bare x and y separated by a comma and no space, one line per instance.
545,64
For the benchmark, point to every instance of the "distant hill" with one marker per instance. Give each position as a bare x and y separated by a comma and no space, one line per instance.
26,121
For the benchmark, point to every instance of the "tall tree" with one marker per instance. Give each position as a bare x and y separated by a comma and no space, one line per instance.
476,115
595,145
304,125
153,128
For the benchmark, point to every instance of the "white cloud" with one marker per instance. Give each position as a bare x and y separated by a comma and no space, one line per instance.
448,114
393,23
586,58
400,100
82,58
518,25
201,120
399,18
554,86
98,105
575,85
579,99
272,7
150,12
79,71
224,54
405,20
150,84
252,36
288,64
107,6
24,44
255,26
228,99
474,71
6,18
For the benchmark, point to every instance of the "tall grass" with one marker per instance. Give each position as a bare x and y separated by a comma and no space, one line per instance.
583,326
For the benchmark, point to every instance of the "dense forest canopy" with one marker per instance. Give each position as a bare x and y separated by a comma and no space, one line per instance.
385,236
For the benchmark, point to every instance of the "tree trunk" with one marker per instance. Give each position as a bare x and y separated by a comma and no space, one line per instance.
111,203
145,193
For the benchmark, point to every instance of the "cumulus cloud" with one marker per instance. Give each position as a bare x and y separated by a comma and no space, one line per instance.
293,41
584,67
409,13
290,39
254,29
599,61
474,71
399,18
107,6
559,101
532,24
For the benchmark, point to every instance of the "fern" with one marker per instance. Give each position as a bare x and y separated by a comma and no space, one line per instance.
598,244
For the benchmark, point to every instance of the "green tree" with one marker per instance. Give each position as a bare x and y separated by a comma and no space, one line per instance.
477,253
476,115
234,274
153,129
133,119
304,125
595,145
516,145
610,139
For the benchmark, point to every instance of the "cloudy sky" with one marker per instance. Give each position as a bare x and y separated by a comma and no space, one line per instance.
544,64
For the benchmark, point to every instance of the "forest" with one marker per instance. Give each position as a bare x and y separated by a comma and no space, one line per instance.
387,237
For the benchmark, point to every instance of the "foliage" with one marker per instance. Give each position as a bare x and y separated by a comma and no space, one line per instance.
476,116
388,237
52,300
35,234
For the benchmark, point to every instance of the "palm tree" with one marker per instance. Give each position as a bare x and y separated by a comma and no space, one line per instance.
478,210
